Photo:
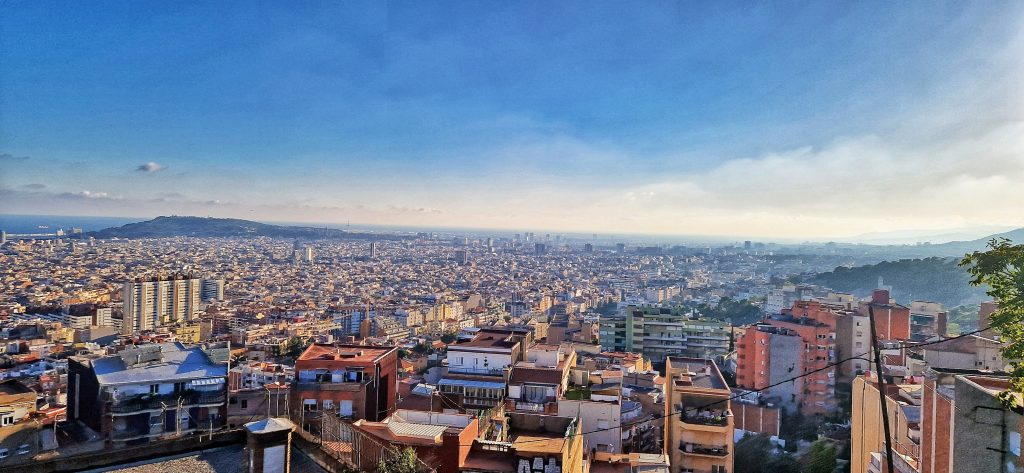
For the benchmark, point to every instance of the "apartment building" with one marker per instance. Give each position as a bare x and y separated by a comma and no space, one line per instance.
659,332
892,320
160,301
537,384
767,355
150,392
799,341
699,421
927,320
530,443
971,352
478,369
867,442
349,381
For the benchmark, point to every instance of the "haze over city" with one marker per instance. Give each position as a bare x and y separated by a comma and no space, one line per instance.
718,119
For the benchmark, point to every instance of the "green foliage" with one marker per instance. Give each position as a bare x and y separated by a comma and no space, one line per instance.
966,316
405,462
1001,268
403,353
295,347
422,349
797,426
821,458
753,454
447,338
739,312
930,279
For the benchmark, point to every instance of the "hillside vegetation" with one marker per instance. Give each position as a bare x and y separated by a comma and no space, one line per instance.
930,279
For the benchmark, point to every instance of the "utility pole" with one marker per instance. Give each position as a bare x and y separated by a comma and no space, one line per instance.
881,391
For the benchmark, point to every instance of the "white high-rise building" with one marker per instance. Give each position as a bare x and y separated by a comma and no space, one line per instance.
152,303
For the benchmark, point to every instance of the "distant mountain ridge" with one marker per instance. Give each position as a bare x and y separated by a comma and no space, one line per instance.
173,226
958,248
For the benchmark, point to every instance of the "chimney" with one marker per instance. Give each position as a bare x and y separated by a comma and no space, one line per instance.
268,445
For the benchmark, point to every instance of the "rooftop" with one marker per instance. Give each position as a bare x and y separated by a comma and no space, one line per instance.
353,353
175,363
700,373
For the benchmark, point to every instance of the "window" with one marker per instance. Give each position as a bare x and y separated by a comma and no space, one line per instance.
309,405
23,449
154,388
245,403
328,404
4,453
7,418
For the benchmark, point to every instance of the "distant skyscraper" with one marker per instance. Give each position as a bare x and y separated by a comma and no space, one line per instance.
3,237
490,243
539,249
747,245
373,249
588,248
309,254
462,256
152,303
620,247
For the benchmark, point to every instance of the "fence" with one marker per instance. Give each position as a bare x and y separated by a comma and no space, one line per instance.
347,445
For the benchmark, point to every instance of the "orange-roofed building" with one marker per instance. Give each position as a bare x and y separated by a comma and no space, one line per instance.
350,381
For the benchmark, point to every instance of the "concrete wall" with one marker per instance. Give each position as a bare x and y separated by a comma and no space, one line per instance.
982,427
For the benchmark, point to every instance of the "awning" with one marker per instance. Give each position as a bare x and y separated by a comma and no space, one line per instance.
206,382
471,384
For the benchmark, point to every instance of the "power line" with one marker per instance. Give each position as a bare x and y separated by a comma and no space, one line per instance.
747,392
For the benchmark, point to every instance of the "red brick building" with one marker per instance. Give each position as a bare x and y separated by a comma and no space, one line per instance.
799,341
349,381
892,321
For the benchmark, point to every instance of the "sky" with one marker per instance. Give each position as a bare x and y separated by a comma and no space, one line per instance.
789,119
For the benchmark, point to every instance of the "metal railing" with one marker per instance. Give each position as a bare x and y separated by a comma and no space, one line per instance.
702,449
155,402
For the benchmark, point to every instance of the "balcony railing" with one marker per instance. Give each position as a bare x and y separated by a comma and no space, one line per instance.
475,370
318,386
719,419
144,402
702,449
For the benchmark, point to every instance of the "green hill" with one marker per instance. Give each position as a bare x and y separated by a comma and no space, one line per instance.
162,227
930,279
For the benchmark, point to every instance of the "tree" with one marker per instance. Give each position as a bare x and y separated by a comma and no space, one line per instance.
403,353
423,349
447,338
821,458
295,347
750,453
754,454
404,462
1001,268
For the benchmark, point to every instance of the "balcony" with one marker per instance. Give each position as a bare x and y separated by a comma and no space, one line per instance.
549,407
153,403
329,386
476,370
707,418
702,449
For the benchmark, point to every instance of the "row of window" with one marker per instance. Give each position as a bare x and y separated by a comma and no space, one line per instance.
23,449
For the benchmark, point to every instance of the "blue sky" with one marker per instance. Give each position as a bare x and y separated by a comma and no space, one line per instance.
652,117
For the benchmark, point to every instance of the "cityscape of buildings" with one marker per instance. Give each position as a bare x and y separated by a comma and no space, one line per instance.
481,353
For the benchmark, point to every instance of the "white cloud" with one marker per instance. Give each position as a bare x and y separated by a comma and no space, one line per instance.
150,167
